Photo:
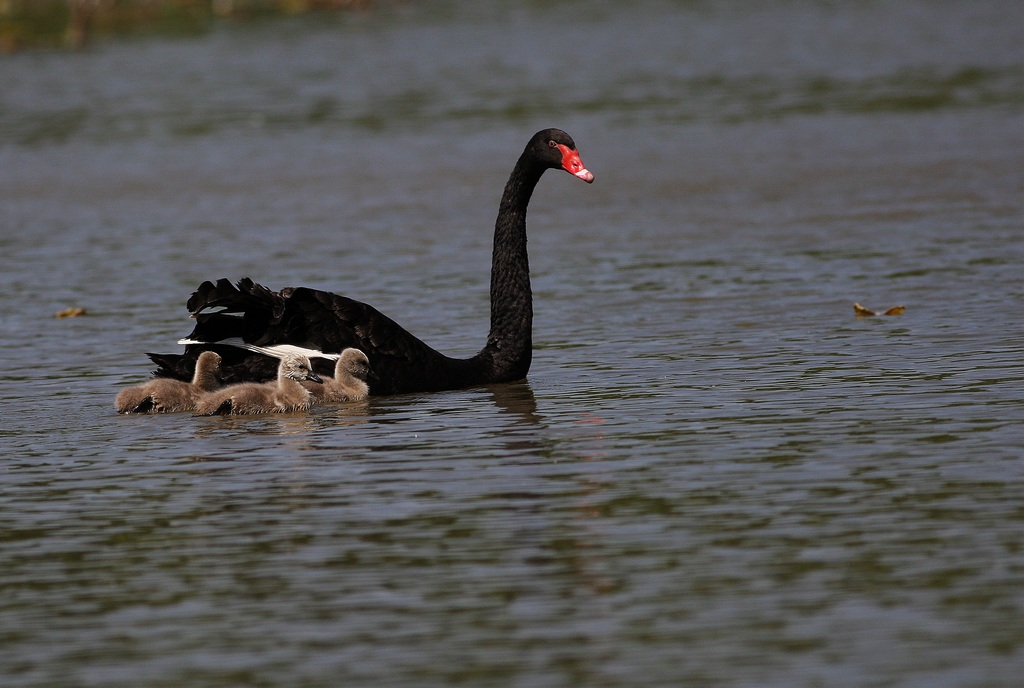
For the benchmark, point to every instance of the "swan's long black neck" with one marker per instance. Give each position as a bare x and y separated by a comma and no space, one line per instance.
509,346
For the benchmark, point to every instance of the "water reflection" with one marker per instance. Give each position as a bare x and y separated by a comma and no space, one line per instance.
516,399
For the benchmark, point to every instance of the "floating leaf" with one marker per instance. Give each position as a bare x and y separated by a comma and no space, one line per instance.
861,311
73,312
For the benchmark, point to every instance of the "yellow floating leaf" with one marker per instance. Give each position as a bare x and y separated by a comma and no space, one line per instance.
70,313
862,311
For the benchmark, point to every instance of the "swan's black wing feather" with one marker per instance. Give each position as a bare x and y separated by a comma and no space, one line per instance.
310,318
246,296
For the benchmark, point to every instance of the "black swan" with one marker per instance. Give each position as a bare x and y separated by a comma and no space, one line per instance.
164,395
280,396
253,320
350,381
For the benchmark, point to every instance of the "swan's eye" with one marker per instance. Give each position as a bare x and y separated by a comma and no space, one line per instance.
552,144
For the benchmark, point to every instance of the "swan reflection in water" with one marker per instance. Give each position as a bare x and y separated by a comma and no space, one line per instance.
515,400
380,447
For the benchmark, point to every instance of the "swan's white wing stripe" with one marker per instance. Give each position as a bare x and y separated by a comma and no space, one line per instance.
276,351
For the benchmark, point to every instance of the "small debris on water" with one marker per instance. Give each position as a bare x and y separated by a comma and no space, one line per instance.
863,312
73,312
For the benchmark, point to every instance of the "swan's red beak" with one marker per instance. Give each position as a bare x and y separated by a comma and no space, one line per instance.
572,164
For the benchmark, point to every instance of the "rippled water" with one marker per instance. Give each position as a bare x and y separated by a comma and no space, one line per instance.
716,474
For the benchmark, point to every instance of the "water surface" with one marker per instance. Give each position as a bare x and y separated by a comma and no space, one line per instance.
715,475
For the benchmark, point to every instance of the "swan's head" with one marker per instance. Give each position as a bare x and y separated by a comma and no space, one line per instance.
298,368
558,150
355,363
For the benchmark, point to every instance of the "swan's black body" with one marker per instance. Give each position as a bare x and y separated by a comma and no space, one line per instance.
330,322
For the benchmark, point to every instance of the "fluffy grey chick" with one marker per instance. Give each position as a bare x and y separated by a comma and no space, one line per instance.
164,395
278,396
349,382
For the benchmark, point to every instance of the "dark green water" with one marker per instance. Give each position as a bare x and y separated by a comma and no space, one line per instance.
716,475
